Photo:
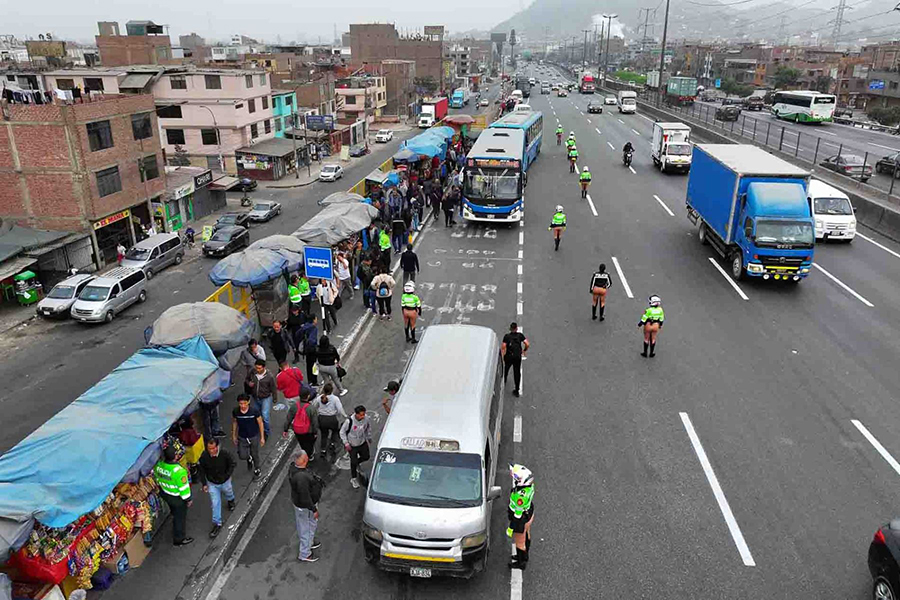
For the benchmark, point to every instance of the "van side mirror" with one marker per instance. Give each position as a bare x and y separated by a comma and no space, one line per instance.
494,492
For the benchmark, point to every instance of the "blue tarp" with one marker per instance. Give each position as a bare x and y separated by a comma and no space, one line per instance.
427,148
443,130
68,466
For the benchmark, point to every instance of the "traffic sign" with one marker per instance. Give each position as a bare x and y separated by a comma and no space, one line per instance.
876,84
318,262
718,83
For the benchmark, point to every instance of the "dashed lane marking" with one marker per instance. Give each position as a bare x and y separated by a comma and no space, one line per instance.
598,131
591,204
630,168
610,145
663,204
625,285
636,132
877,445
728,279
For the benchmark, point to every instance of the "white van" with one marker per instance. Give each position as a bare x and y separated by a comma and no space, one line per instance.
428,505
833,212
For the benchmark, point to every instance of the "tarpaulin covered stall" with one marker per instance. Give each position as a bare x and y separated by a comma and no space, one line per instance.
336,223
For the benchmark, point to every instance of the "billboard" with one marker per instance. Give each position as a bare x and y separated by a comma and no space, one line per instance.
434,30
498,38
49,49
319,122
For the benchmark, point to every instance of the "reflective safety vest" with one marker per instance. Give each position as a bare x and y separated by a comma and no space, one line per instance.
384,240
559,131
585,176
410,301
520,500
304,286
573,153
653,314
570,142
294,293
558,219
173,479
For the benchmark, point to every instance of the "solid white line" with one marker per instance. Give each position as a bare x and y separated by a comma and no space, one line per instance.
591,204
870,240
625,285
636,132
881,449
598,131
610,145
630,168
733,527
728,279
517,429
845,286
885,147
663,204
521,237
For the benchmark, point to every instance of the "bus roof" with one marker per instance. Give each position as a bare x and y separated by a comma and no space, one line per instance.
516,120
803,93
446,392
499,143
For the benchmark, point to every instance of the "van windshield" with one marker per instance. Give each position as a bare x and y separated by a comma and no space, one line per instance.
679,150
833,206
422,478
138,253
94,293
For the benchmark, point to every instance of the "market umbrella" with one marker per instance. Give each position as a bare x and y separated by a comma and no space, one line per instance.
280,242
221,326
443,131
460,119
336,223
254,267
340,198
405,155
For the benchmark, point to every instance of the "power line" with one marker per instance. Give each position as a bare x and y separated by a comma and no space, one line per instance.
719,3
838,20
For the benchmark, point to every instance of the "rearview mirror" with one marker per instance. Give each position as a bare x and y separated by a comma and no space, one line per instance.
495,492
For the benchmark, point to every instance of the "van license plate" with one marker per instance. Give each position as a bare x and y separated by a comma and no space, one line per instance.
419,572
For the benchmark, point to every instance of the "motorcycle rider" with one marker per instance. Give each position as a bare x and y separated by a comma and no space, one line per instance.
585,180
570,141
573,156
520,513
627,150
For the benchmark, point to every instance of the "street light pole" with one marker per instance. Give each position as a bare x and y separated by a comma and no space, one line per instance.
584,51
218,139
609,19
662,55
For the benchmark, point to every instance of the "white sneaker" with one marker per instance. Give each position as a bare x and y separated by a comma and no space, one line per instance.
344,392
354,483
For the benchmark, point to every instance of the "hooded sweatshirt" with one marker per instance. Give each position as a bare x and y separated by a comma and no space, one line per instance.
356,433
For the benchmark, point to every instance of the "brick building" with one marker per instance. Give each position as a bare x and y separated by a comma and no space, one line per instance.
145,44
399,77
371,43
94,167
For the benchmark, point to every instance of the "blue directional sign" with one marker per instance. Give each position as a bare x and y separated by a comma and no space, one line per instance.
718,83
318,262
876,84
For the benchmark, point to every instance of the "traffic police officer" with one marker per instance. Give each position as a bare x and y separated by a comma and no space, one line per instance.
652,322
176,491
294,290
585,180
558,225
520,513
573,156
411,307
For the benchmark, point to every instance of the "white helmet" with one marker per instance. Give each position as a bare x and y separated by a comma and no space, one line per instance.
521,476
655,300
571,134
559,208
409,287
585,169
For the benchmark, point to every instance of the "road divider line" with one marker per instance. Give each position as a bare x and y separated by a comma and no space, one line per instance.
885,147
728,279
520,269
733,526
519,286
620,120
636,132
871,241
591,204
598,131
589,120
577,170
610,145
520,254
521,237
877,445
663,204
519,309
517,429
633,172
625,285
845,286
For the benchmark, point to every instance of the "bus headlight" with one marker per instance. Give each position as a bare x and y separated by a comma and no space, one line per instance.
371,533
473,541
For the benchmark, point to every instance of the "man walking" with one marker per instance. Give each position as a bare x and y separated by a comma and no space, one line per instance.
248,433
280,342
356,433
309,335
266,391
409,262
383,286
176,491
513,349
306,490
295,322
303,420
216,466
365,275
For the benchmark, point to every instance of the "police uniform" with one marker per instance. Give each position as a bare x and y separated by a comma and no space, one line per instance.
653,314
520,512
558,222
584,177
602,281
410,301
176,491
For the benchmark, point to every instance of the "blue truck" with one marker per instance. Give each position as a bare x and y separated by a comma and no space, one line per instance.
752,207
459,98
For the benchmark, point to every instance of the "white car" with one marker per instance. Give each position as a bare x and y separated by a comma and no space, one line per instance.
384,136
484,102
610,100
835,218
331,173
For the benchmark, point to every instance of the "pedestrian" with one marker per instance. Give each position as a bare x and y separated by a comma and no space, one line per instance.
388,401
216,466
306,491
355,260
265,390
652,321
328,359
434,194
447,205
331,414
520,514
309,338
356,433
176,491
294,291
600,284
513,349
280,342
248,433
383,285
409,262
290,382
295,322
343,272
252,353
303,420
305,294
120,252
411,308
326,292
384,242
365,275
398,231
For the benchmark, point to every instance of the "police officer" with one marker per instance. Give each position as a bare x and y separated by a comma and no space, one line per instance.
573,156
176,491
411,307
294,291
520,513
558,225
559,134
305,294
571,140
600,284
585,180
652,322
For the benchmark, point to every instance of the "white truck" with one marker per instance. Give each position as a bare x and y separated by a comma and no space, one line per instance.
671,147
627,101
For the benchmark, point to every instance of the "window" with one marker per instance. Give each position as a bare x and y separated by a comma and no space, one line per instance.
262,79
148,167
93,84
349,99
893,85
251,105
209,137
65,84
132,280
11,78
108,181
248,79
254,131
99,135
212,162
278,124
265,102
174,136
141,126
238,106
288,100
268,126
178,82
213,82
172,111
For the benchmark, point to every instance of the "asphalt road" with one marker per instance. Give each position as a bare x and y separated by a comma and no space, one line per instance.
734,464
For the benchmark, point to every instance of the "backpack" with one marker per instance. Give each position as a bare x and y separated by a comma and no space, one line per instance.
384,290
301,424
514,346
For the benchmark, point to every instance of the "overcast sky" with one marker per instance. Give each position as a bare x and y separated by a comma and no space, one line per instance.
303,20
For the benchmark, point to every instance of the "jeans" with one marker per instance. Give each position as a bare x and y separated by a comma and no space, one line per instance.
328,433
306,530
399,240
265,407
329,372
248,448
409,276
347,284
448,217
310,363
215,498
416,220
358,454
516,364
330,320
211,419
369,299
179,507
384,306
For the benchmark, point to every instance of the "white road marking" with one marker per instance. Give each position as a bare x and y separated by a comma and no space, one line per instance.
521,237
828,133
728,279
630,168
620,120
517,429
519,286
625,285
636,132
577,170
663,204
870,240
591,204
519,307
885,147
598,131
610,145
520,269
881,449
844,285
733,527
520,254
515,582
589,120
582,112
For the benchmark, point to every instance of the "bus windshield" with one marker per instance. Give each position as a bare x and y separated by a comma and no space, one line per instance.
824,100
497,185
417,478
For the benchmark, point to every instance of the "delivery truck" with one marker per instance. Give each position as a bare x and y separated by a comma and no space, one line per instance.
587,84
671,147
681,91
459,98
752,208
627,101
433,110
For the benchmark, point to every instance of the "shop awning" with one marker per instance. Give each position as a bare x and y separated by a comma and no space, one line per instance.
135,81
14,265
224,183
270,147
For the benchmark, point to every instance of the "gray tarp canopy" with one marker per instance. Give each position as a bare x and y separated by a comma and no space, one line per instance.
340,198
336,223
279,242
221,326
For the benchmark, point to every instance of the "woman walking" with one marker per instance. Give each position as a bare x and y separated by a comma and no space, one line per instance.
329,360
652,322
383,284
600,284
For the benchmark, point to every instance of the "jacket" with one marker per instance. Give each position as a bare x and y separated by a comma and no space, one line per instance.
216,469
328,357
385,278
409,261
356,433
310,334
365,274
305,490
311,412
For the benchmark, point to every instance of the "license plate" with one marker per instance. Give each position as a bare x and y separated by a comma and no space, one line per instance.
419,572
490,216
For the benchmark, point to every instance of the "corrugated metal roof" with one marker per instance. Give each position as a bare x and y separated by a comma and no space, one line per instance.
135,81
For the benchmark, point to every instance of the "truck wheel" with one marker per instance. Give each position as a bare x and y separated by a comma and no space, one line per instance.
737,266
702,235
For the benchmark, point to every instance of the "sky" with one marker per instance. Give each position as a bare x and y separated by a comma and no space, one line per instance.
304,20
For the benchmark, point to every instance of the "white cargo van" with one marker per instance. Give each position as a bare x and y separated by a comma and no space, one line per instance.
627,101
834,215
671,147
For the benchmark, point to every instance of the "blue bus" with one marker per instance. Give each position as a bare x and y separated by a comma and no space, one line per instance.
532,123
494,178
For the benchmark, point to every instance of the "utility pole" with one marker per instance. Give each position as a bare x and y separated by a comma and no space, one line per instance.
781,30
662,53
584,51
838,21
600,53
609,19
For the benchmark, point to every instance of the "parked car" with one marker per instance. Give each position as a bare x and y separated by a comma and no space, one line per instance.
728,113
732,101
232,219
155,253
384,136
358,150
850,165
844,112
484,102
264,211
888,164
562,92
59,301
610,100
108,295
226,240
884,553
594,107
247,185
331,173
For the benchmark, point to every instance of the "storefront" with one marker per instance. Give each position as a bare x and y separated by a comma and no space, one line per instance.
269,160
110,231
188,197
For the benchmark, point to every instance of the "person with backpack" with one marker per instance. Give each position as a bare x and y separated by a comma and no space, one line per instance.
513,350
303,420
331,415
356,433
327,293
290,382
383,284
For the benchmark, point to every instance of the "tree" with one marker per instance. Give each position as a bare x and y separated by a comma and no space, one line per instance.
733,88
425,85
786,77
885,116
180,158
824,83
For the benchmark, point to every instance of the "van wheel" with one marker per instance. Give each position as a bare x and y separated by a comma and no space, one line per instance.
178,259
149,274
142,297
702,235
109,316
737,266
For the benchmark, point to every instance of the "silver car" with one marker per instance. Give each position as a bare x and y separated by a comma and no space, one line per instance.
63,295
264,211
109,294
331,173
155,253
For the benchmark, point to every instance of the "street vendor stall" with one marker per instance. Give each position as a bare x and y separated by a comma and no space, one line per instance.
336,223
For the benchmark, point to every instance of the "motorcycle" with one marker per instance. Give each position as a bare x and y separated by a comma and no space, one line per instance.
626,157
246,201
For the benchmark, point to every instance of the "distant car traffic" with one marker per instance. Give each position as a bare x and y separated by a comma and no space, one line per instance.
331,173
728,113
594,107
226,240
247,185
484,102
888,164
232,219
754,102
264,211
562,92
610,100
850,165
384,136
884,553
732,100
